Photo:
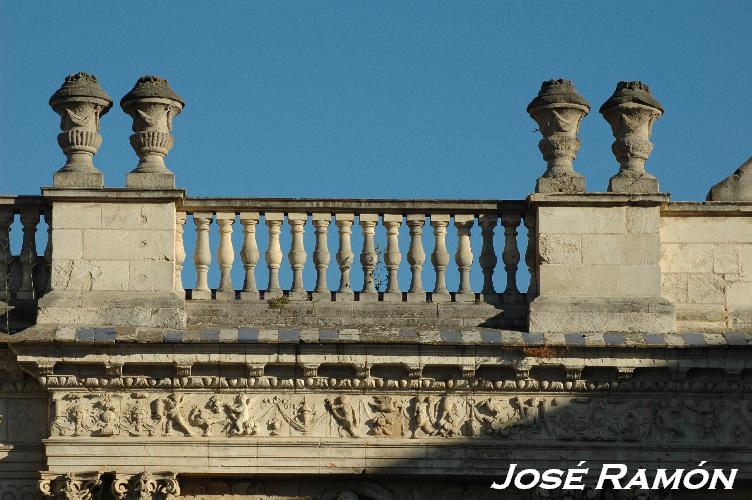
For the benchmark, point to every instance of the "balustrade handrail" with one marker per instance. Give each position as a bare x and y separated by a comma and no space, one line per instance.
24,202
348,205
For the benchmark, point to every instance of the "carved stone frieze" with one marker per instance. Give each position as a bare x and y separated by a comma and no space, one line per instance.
238,415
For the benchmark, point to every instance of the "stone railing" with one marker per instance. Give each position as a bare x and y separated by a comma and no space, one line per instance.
625,260
347,215
24,276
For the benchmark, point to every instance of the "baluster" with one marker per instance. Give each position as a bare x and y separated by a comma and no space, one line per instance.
179,253
488,258
369,259
464,257
321,256
28,258
202,256
225,256
6,219
273,254
440,257
416,256
531,254
344,256
392,257
511,254
249,254
48,251
297,255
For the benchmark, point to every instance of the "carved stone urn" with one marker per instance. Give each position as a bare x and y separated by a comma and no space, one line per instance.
558,110
152,104
631,112
80,102
736,187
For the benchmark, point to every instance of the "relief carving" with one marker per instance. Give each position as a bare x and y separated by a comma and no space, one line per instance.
431,416
145,486
69,487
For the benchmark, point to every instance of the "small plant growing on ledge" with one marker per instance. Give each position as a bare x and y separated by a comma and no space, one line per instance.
278,302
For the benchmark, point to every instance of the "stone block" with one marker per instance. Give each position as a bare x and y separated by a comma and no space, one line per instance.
154,275
642,220
129,244
739,294
67,244
675,287
725,259
150,180
151,216
367,296
640,281
706,288
76,215
601,315
561,184
706,229
560,249
578,280
745,262
581,220
685,258
76,179
101,309
631,184
90,274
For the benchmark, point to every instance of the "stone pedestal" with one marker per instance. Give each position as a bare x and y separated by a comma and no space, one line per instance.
113,259
598,259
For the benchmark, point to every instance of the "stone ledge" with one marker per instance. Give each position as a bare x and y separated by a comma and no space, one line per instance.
566,314
105,195
41,334
599,199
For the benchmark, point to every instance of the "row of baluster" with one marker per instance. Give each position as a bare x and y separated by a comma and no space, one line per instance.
27,275
369,258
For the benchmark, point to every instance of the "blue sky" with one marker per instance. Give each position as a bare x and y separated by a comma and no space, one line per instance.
381,98
377,99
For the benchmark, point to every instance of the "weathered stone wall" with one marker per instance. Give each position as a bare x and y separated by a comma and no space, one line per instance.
706,270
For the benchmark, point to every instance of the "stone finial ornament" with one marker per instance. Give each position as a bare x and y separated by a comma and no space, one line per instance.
558,110
80,102
631,112
735,187
152,104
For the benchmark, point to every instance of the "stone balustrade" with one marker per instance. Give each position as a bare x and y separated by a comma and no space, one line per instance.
26,275
621,260
411,218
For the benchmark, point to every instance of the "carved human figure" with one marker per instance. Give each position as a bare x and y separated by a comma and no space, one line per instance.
169,412
422,417
137,420
242,422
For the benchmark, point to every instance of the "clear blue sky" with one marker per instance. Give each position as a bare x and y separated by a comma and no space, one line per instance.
381,98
